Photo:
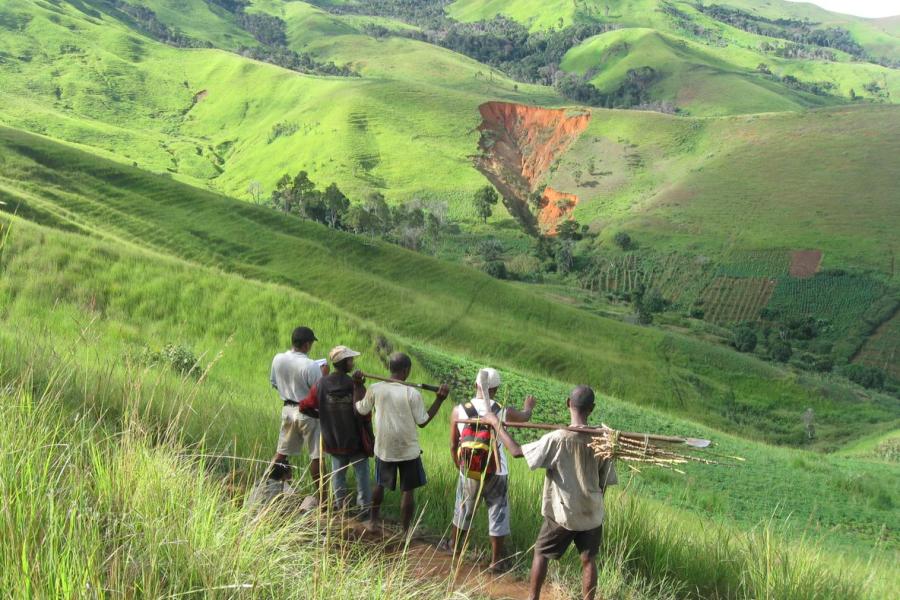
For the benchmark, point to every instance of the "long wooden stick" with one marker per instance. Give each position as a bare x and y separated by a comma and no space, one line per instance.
421,386
672,439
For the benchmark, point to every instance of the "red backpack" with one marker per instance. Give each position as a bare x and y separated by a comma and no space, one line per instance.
475,455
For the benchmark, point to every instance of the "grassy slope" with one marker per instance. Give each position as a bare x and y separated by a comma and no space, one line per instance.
103,301
419,297
129,97
701,78
679,183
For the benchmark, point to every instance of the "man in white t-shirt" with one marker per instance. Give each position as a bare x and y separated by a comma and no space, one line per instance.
399,411
489,483
574,487
293,374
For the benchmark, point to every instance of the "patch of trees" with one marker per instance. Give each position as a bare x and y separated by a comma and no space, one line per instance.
634,91
417,225
146,21
819,88
271,32
793,30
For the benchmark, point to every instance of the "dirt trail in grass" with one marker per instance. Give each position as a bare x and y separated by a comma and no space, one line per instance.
517,147
427,561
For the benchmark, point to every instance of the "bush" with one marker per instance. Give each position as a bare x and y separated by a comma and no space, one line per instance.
864,375
495,268
623,240
177,357
744,339
780,350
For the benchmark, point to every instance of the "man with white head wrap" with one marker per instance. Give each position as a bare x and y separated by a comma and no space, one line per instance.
486,480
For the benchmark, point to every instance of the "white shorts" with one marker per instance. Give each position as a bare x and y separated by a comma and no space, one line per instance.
298,431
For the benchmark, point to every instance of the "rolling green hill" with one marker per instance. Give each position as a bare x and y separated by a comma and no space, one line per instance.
422,298
98,285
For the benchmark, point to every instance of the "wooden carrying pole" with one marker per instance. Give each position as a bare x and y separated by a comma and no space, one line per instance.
697,443
420,386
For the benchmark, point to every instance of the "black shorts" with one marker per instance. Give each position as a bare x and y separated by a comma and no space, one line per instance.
554,540
412,474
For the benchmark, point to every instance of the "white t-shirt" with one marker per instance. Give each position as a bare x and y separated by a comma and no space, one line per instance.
399,410
293,375
481,407
576,478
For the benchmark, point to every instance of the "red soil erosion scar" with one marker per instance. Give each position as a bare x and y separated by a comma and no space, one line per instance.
517,146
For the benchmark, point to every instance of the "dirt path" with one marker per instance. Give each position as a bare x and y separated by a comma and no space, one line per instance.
426,560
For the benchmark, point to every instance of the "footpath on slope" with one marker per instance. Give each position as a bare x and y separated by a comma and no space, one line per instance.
426,560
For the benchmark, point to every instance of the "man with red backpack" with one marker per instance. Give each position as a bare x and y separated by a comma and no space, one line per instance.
482,464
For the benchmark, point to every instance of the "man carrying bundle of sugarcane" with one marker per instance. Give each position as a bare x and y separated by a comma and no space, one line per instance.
399,410
574,486
483,470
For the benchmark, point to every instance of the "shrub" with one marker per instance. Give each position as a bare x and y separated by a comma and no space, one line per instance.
495,268
864,375
780,350
623,240
744,339
177,357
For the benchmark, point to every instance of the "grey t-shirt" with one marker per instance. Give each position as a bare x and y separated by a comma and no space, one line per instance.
293,375
576,479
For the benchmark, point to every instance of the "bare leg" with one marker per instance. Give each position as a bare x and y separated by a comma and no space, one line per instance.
496,550
315,471
538,574
377,499
588,577
407,508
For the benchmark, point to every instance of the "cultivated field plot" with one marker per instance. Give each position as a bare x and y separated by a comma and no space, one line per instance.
882,349
736,299
838,299
678,277
805,263
755,263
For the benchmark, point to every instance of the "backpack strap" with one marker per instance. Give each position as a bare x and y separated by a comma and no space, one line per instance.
470,409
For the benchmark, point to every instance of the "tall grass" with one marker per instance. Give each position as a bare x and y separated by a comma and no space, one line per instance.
95,511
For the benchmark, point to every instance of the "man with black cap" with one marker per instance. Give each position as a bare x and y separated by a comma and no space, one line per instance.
574,487
293,374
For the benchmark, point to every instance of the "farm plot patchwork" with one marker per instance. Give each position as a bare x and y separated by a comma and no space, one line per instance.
755,263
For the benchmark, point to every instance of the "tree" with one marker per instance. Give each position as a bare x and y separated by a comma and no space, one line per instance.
336,205
744,339
564,257
378,207
359,220
283,194
780,350
623,240
255,191
569,230
484,200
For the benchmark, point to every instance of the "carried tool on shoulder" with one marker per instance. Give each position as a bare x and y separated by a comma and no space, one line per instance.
420,386
633,447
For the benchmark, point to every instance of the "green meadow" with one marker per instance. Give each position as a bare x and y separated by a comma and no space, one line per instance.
128,225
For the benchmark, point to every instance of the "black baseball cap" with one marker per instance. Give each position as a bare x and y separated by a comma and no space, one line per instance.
302,335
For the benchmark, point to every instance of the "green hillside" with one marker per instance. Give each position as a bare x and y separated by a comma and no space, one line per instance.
105,301
421,298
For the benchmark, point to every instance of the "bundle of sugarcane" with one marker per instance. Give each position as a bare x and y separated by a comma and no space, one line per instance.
639,448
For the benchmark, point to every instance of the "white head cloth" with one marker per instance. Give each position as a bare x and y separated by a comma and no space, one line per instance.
487,379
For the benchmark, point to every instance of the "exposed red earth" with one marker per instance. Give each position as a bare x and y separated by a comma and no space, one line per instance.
805,263
555,207
517,146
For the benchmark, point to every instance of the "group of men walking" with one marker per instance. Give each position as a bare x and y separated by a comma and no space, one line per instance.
329,409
